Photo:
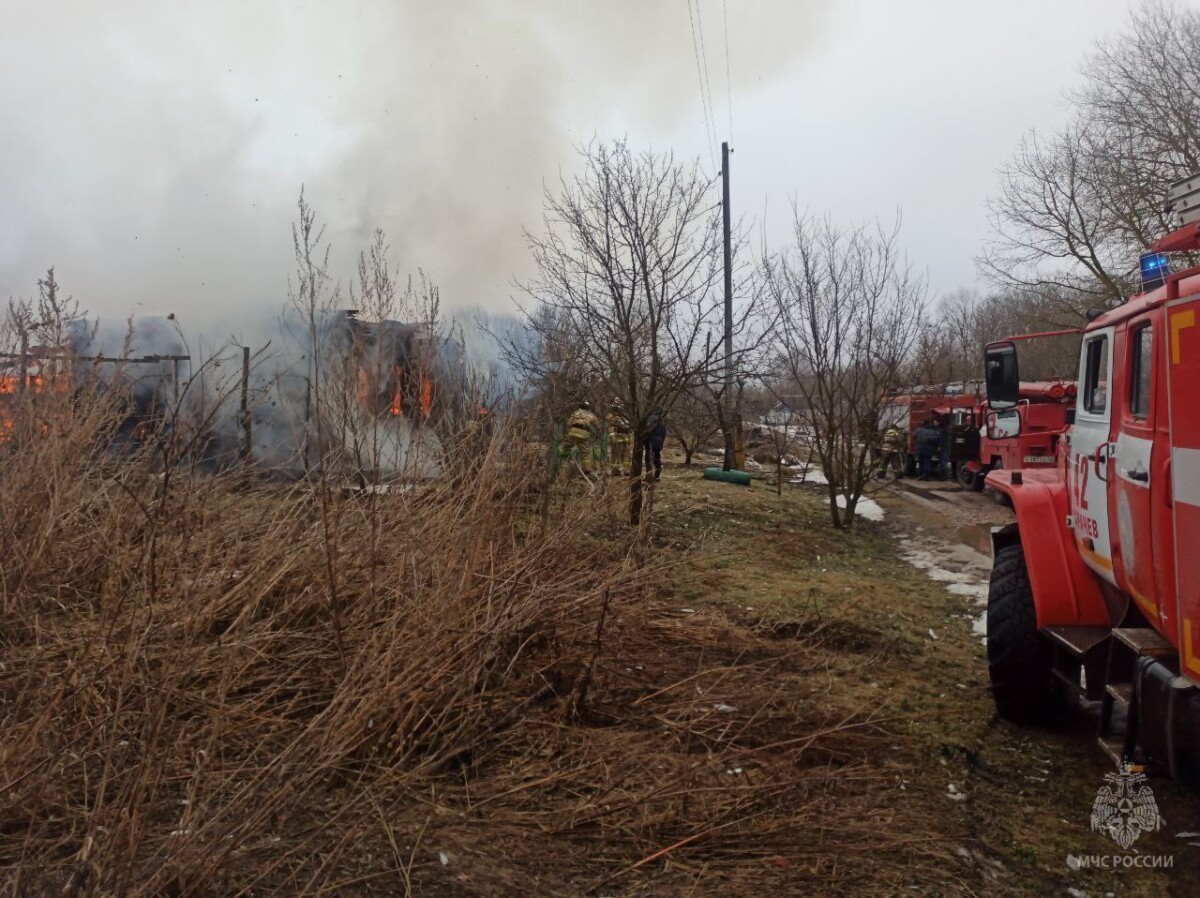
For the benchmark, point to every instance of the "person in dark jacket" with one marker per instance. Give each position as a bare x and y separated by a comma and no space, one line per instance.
656,438
929,446
943,426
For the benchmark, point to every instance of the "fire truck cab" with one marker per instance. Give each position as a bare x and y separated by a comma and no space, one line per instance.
1095,590
1024,435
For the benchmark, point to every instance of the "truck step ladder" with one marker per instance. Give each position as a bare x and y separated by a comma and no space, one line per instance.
1080,655
1118,731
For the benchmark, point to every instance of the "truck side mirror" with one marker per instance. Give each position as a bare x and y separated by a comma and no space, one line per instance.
1001,376
1004,424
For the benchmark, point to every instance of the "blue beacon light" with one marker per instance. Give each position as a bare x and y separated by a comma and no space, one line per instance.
1155,268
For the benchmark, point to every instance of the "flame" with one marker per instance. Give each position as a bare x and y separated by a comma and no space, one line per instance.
426,396
397,408
35,383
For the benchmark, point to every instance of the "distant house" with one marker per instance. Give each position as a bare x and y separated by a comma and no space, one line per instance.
788,410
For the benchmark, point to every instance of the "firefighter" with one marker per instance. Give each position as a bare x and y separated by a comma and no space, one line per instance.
929,446
656,438
892,453
943,425
619,436
871,438
582,428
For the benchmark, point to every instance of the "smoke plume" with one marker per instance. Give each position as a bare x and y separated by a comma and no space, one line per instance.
154,151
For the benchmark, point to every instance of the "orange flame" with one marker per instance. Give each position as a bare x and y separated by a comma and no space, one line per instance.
397,408
426,396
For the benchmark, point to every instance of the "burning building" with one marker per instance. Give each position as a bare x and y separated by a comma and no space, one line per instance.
362,397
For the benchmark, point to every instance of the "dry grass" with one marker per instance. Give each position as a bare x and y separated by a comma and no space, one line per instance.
214,686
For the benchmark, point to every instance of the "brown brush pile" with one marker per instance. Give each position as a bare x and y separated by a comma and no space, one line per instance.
210,686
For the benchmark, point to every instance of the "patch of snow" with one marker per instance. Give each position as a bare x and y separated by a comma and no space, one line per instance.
976,591
961,570
979,626
813,475
941,575
868,509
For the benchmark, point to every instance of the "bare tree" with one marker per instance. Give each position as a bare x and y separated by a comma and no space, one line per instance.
850,312
1075,208
627,284
787,436
693,423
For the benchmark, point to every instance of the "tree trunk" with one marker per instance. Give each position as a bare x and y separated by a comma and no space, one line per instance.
729,463
779,475
851,505
834,511
688,449
635,481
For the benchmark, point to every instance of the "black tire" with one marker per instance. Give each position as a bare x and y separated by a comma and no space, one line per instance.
968,479
1019,657
980,478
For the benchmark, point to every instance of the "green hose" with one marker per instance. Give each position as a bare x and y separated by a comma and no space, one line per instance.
727,476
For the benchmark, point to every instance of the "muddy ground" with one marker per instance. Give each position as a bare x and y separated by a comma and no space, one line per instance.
1012,805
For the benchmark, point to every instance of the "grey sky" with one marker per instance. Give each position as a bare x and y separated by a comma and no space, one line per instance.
153,151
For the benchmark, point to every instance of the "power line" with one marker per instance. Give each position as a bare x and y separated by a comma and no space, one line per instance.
709,132
728,80
712,111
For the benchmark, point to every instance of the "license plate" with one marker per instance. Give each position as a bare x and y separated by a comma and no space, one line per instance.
1039,459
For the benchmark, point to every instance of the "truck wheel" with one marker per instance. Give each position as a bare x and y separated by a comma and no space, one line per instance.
1019,657
968,479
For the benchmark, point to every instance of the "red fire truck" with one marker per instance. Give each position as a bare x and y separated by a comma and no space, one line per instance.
1023,436
1095,590
983,439
907,411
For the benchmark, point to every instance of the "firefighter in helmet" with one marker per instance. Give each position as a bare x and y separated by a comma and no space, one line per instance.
892,453
582,428
620,434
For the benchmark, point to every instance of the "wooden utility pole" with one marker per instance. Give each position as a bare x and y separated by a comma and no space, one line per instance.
727,412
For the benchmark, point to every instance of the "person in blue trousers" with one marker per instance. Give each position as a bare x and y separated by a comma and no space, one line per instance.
943,426
928,441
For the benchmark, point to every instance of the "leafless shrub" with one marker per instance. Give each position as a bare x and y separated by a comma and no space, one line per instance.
849,313
1076,207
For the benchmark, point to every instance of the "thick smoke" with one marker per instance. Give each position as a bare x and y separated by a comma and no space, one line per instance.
153,151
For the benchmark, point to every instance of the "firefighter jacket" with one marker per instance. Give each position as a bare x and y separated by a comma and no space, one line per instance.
581,425
618,427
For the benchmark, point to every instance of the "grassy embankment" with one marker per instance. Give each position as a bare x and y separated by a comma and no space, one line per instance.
884,641
209,688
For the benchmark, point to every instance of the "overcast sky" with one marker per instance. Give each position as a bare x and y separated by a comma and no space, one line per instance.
153,151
